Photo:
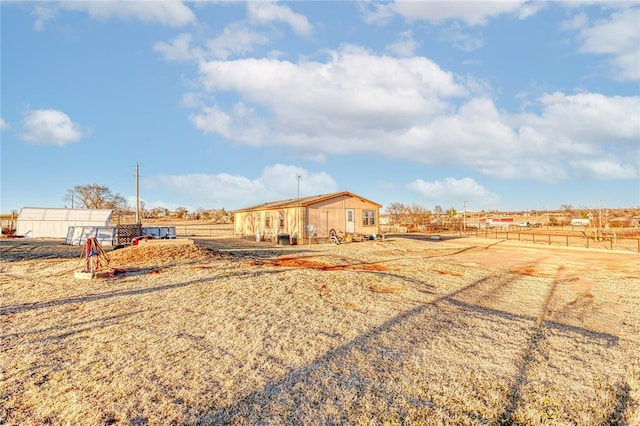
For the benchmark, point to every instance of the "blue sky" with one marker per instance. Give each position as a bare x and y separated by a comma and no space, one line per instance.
508,105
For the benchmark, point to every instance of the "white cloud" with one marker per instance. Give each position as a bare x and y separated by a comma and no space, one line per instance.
405,46
4,125
278,181
242,125
409,108
50,127
583,126
172,13
470,12
617,37
608,169
266,12
376,12
351,90
461,40
452,191
43,14
236,39
179,49
577,22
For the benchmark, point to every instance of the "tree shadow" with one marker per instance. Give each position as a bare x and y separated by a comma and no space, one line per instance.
309,392
12,309
71,326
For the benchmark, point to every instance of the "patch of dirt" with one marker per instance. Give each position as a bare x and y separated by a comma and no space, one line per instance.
145,255
447,272
296,262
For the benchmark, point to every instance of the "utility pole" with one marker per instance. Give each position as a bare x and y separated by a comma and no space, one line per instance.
298,215
137,195
464,216
599,216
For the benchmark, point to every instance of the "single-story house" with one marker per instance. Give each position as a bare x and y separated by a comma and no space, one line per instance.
308,217
36,222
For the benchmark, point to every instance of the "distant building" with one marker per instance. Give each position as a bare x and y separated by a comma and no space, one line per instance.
308,217
580,222
491,222
34,222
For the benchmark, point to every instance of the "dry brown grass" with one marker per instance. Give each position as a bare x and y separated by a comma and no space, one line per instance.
385,332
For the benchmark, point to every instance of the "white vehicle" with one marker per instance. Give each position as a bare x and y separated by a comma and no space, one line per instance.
524,225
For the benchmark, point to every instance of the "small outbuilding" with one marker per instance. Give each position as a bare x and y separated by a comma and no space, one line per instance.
34,222
304,218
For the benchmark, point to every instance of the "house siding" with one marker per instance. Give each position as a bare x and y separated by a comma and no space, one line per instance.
323,215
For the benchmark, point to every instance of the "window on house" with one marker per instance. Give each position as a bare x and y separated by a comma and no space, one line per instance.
281,217
368,217
267,219
258,216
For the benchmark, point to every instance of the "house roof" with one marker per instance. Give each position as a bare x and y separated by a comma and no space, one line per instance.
302,201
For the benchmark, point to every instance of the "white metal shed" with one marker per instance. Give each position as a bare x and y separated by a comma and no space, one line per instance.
35,222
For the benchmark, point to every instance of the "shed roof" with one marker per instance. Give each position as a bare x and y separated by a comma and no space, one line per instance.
61,214
302,201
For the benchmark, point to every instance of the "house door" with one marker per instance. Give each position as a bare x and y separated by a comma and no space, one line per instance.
351,224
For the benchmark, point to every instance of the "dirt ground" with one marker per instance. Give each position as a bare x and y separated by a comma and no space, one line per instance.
408,330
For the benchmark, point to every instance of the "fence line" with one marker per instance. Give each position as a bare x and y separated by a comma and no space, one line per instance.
203,230
609,242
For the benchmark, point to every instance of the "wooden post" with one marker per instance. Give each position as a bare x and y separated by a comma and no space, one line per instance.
549,239
567,237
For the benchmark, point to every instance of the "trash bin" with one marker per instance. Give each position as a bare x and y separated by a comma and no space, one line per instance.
283,239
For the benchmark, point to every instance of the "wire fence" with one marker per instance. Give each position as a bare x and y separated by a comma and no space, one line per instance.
609,241
622,239
204,230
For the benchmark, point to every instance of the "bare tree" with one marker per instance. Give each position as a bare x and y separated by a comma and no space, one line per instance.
437,210
396,212
95,196
181,212
418,215
220,216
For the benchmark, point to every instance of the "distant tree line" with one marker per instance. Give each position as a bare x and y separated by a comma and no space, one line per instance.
413,216
95,196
